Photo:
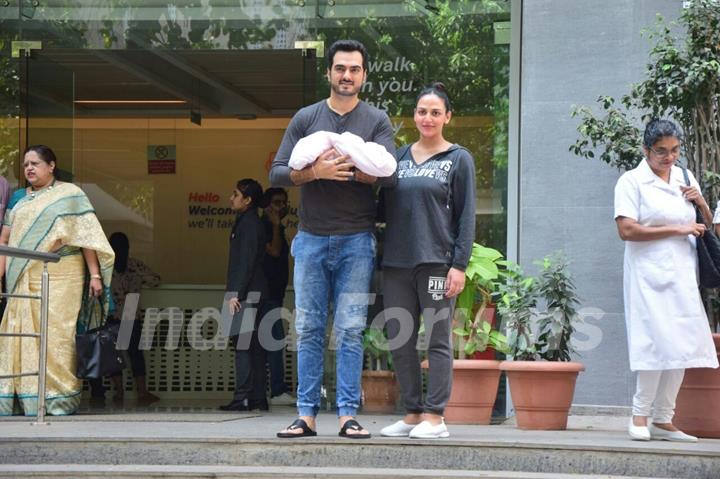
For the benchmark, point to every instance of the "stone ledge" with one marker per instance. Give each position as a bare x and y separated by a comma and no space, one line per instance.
122,472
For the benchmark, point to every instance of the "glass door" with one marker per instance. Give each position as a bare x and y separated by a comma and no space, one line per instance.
47,108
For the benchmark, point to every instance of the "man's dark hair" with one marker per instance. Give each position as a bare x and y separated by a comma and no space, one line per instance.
347,46
270,192
658,129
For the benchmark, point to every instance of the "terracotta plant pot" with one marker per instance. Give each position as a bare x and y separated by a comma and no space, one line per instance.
696,408
542,392
474,389
380,391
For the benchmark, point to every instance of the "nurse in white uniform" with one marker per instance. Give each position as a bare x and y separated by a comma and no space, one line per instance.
667,327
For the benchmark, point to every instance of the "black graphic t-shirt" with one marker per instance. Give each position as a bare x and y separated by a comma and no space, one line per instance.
430,214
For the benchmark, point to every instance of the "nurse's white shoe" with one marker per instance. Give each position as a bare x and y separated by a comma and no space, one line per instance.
638,433
661,434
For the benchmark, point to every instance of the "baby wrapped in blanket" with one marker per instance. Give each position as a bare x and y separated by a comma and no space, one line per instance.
368,157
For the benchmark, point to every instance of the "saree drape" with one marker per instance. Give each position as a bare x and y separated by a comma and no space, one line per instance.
59,219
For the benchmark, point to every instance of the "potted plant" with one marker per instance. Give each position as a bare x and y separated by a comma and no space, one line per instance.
541,375
379,388
475,381
698,399
475,309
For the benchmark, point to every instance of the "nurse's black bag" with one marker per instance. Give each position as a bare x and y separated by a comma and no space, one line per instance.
708,251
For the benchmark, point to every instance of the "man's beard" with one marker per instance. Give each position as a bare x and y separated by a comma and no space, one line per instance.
352,92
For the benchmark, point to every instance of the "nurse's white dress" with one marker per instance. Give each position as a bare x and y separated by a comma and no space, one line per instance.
667,327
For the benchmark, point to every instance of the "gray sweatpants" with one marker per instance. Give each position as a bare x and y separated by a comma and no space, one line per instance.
408,293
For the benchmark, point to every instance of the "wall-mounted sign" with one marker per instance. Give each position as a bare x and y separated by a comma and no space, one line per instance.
207,210
161,159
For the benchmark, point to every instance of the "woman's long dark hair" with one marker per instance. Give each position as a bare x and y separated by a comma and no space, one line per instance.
121,245
251,189
438,89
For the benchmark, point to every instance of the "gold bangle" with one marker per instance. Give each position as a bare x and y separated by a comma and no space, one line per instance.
95,276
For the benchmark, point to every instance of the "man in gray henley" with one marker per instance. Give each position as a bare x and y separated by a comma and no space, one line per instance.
334,249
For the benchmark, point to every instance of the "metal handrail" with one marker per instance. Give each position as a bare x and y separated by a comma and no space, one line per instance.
29,254
41,373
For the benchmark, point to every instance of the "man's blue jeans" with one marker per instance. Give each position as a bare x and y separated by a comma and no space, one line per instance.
340,268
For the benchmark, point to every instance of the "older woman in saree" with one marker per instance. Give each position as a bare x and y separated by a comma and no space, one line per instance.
48,216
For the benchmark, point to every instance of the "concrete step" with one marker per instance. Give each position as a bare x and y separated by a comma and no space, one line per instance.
80,471
172,441
626,458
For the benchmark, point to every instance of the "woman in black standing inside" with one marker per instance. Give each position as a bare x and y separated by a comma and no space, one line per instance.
245,278
430,218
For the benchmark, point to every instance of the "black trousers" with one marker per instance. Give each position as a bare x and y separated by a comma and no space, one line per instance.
250,360
417,292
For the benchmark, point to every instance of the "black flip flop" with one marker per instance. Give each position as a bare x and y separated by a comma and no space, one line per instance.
298,424
355,426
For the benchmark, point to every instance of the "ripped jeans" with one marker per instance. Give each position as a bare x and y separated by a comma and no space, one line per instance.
337,268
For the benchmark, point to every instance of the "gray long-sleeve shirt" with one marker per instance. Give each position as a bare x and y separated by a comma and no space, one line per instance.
334,207
430,214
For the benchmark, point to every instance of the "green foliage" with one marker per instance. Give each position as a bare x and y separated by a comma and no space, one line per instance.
518,301
682,81
453,42
473,332
9,110
375,344
620,140
456,45
456,42
557,323
533,335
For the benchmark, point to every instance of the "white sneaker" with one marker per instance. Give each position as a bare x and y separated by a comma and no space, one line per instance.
638,433
425,430
665,435
283,399
399,429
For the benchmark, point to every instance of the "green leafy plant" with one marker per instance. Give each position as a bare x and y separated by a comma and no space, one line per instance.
614,131
539,335
682,81
473,331
557,324
518,301
375,344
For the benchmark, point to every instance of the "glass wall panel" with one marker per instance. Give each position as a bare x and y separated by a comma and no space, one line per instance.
213,83
9,94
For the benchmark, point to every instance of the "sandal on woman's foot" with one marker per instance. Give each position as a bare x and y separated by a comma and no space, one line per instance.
298,425
352,424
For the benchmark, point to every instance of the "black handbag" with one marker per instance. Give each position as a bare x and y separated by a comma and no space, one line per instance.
708,251
97,355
